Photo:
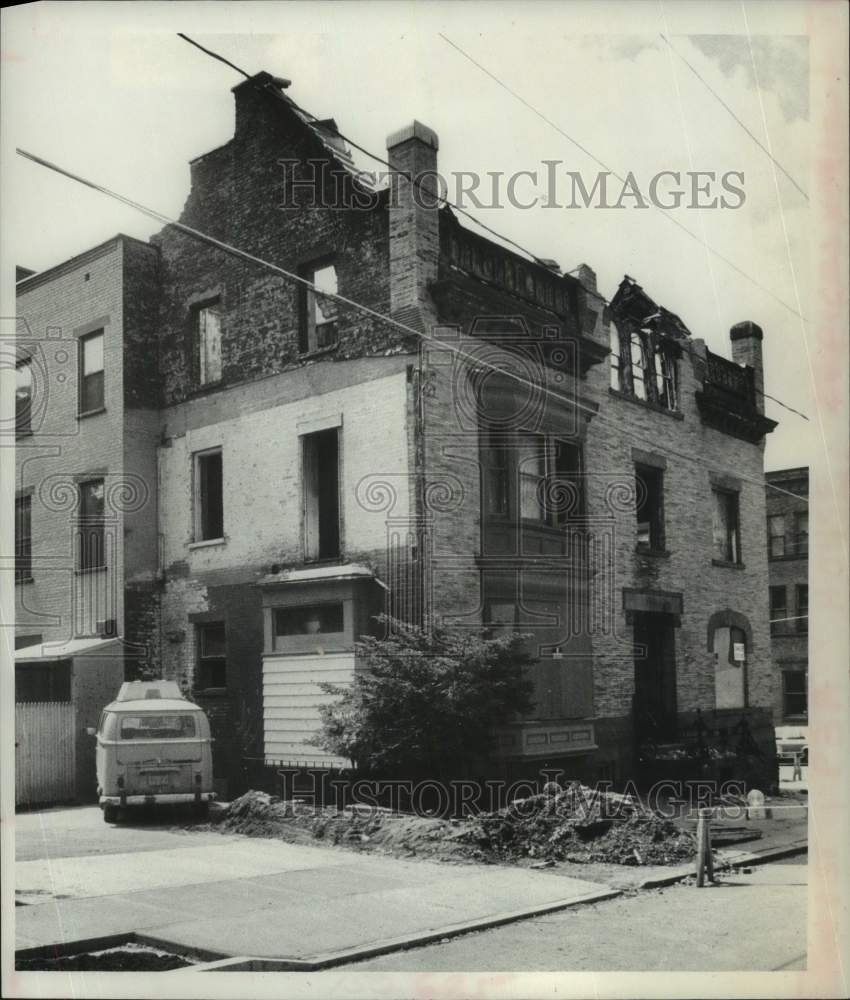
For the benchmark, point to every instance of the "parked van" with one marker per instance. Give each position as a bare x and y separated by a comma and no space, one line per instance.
153,747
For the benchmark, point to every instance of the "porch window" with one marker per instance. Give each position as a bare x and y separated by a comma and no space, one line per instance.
312,619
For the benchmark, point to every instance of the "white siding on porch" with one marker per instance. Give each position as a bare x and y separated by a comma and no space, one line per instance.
291,699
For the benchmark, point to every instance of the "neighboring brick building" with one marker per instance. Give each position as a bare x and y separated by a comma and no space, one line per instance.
788,571
483,457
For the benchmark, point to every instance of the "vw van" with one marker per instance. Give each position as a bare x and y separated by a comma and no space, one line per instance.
153,747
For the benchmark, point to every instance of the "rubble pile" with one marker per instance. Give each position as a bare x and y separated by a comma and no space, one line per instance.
574,824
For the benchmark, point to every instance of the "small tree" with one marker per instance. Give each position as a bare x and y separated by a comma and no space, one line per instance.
425,704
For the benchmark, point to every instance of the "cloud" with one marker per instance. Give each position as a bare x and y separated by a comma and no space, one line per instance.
781,64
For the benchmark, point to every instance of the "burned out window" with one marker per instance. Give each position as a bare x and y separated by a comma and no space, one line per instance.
778,611
320,462
23,539
209,496
92,548
643,365
726,542
212,656
207,332
23,396
318,322
91,373
649,490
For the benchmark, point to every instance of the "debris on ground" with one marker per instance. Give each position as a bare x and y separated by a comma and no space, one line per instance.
575,824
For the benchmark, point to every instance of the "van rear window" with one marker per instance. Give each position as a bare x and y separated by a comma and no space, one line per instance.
157,727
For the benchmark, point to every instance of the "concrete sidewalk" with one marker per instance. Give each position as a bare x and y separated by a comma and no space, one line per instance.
270,899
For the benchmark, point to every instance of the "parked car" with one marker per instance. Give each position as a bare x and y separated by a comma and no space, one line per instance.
792,745
153,748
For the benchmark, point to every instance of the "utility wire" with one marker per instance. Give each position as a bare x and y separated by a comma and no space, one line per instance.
335,296
717,97
578,145
416,182
379,159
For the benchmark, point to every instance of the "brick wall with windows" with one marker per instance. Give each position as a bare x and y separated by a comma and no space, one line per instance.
787,517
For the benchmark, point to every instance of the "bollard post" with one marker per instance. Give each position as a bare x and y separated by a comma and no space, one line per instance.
709,859
701,824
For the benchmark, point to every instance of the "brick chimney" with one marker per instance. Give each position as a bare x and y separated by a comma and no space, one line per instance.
414,221
746,340
587,276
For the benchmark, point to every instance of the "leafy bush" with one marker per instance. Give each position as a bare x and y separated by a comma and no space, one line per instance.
425,704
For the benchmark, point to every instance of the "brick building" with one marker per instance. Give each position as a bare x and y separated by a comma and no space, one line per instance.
492,444
788,572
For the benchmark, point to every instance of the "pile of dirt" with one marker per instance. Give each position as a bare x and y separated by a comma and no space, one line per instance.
574,824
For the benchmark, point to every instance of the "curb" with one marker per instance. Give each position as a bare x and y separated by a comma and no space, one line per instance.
737,859
328,960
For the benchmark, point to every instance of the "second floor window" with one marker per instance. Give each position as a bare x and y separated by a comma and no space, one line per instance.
91,373
801,533
643,365
547,470
649,486
23,396
23,539
208,343
92,551
209,496
726,540
318,312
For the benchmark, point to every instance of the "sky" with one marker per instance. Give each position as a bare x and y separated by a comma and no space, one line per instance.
111,92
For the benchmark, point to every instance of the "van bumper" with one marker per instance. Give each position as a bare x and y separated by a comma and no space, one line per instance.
166,798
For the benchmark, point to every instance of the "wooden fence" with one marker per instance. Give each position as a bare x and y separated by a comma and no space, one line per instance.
45,752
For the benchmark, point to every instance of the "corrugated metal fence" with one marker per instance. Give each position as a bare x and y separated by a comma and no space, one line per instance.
45,752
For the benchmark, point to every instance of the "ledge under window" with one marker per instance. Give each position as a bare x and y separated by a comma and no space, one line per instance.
725,563
91,413
24,579
90,569
208,543
646,404
654,553
309,355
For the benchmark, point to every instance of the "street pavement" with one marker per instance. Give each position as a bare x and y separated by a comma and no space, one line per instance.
231,895
750,921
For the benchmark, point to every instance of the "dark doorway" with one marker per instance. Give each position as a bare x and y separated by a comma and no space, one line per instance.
655,676
321,495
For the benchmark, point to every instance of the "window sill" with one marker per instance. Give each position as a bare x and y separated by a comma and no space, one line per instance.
317,353
788,558
646,404
28,433
214,692
207,387
24,579
653,553
725,564
91,413
208,543
89,570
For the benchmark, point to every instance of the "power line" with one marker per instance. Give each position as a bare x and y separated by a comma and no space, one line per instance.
416,182
666,212
378,159
717,97
335,296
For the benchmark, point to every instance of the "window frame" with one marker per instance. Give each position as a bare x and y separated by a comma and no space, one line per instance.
804,694
773,537
799,548
23,552
311,505
801,608
552,450
732,550
203,661
657,539
91,526
200,311
656,360
198,501
778,623
83,409
23,421
308,305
